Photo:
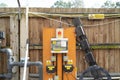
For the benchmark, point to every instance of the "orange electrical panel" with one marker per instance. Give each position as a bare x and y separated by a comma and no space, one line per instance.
59,59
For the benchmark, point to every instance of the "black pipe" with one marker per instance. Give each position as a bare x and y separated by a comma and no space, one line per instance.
8,76
19,21
9,61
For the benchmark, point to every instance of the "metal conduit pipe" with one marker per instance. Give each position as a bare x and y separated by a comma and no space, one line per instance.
11,64
38,63
9,61
7,76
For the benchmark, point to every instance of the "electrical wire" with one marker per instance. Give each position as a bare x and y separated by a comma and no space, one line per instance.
19,9
58,21
58,15
72,15
101,24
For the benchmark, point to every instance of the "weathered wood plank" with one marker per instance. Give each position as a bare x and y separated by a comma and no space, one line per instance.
111,39
117,39
101,29
14,43
106,40
4,26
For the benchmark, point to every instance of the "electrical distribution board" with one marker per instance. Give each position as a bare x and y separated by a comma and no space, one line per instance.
59,59
59,45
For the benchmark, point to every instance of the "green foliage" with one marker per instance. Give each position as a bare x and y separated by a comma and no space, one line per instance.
3,5
78,3
117,4
61,4
69,4
109,4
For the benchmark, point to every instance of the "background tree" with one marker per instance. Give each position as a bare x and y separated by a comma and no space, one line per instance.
110,4
78,3
69,4
3,5
62,4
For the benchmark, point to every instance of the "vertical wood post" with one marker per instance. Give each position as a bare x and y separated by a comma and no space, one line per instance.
23,39
14,43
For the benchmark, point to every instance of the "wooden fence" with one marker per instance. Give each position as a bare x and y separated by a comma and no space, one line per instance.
98,32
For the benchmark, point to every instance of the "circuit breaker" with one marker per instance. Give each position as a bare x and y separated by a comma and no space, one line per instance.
51,69
59,45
